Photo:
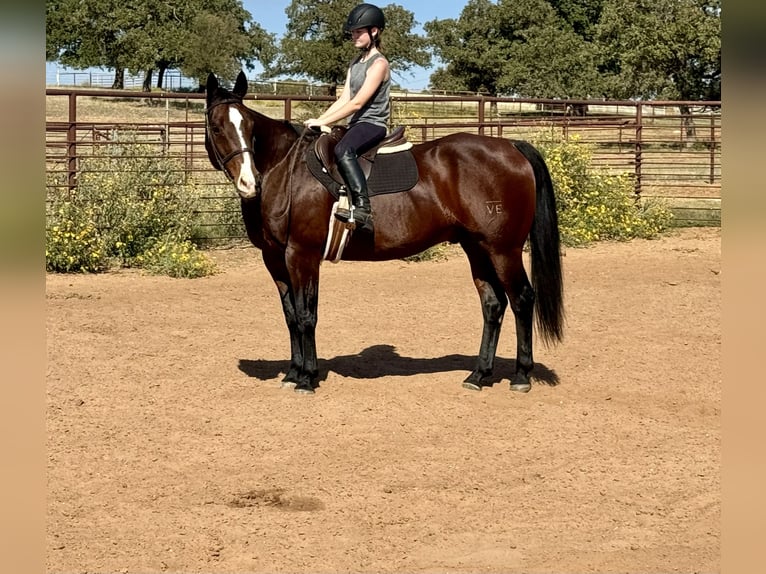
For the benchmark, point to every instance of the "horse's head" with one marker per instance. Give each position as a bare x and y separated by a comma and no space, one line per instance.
228,134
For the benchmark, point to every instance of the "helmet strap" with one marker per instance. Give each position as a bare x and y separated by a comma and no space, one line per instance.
371,43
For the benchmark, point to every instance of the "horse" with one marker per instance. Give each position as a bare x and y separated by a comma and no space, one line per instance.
489,195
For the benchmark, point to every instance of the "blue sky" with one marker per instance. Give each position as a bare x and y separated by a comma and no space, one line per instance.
270,14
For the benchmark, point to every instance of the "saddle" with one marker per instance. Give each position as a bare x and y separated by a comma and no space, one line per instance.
325,144
389,167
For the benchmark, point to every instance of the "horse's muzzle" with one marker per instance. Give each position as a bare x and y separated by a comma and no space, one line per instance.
248,186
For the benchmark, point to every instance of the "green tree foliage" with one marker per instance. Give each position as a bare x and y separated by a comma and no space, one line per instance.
581,15
195,36
667,49
662,49
314,45
221,39
519,47
85,33
473,46
548,58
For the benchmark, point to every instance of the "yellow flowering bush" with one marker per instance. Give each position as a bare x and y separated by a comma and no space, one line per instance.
74,244
129,197
595,205
177,258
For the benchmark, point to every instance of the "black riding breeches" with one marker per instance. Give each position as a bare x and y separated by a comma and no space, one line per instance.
360,138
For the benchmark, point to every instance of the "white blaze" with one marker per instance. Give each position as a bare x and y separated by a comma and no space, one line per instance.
245,181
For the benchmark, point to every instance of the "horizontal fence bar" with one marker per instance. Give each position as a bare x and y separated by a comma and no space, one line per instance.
668,147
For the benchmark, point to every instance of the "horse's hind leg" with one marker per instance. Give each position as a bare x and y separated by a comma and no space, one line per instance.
493,304
510,269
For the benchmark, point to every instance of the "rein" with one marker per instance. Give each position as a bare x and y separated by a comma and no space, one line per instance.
222,161
294,153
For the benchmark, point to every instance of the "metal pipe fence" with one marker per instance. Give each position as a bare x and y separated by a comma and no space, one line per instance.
669,148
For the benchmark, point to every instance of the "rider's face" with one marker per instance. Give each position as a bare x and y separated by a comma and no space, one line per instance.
360,37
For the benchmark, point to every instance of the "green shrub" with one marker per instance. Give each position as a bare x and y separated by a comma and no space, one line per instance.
73,243
129,198
176,258
594,204
438,252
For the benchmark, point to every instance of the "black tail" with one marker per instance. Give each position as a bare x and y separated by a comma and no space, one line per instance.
544,240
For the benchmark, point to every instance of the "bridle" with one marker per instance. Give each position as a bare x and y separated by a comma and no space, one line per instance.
222,161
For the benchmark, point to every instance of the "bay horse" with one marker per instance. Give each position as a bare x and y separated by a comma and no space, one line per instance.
488,194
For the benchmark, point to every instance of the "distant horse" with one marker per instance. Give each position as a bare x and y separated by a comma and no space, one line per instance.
488,194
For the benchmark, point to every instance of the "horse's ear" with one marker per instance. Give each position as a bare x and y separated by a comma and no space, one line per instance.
211,85
240,86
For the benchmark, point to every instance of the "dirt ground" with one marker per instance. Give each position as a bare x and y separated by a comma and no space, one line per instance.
172,447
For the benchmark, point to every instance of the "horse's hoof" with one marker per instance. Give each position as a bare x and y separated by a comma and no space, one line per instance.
304,390
475,381
288,385
521,387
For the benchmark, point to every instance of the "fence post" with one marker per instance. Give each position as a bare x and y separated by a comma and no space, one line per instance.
481,115
71,150
639,129
712,149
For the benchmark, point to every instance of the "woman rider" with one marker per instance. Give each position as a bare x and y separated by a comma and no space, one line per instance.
365,98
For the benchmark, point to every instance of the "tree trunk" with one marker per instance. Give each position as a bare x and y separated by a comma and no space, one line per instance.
161,75
688,131
147,87
119,79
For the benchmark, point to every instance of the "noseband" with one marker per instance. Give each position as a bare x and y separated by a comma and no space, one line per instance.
222,161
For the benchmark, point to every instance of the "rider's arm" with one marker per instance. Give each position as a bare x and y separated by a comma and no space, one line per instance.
346,106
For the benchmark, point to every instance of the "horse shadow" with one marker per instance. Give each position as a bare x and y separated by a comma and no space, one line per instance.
383,360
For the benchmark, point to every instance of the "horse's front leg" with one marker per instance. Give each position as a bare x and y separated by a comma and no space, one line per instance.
303,267
275,263
292,377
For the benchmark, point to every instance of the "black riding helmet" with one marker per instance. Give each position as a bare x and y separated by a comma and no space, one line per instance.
365,16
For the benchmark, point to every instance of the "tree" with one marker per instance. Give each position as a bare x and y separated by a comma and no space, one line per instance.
474,47
661,49
547,58
86,33
581,15
520,47
315,46
669,49
221,39
195,36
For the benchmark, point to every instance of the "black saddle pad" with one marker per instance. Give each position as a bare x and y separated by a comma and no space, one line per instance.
390,173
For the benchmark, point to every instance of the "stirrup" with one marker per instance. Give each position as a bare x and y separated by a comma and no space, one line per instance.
343,214
358,216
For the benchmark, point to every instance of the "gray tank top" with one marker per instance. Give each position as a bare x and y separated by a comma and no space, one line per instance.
378,109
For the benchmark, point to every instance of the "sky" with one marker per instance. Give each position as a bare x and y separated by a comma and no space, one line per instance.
270,14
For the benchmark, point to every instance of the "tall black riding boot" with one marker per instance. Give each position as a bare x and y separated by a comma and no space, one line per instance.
349,168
